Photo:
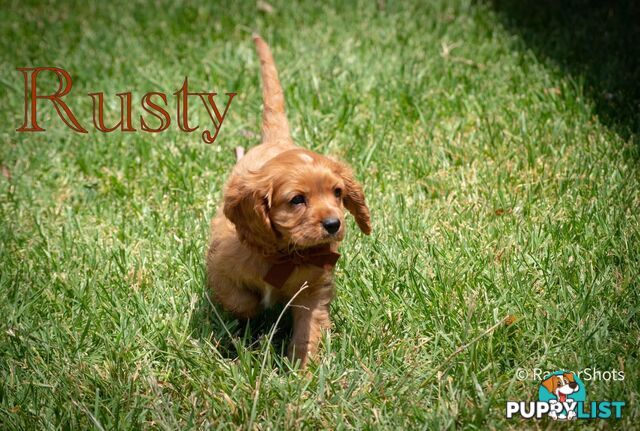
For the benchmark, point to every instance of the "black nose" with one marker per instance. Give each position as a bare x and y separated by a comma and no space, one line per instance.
573,385
331,224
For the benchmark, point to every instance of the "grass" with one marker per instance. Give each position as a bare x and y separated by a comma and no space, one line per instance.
494,188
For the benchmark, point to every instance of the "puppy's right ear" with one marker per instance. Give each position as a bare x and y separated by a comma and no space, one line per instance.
551,384
246,204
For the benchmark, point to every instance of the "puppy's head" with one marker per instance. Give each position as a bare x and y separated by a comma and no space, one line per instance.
295,201
561,385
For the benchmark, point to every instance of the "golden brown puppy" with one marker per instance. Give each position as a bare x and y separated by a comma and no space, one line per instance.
281,224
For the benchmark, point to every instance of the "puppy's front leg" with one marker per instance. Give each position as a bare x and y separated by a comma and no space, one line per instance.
310,316
240,301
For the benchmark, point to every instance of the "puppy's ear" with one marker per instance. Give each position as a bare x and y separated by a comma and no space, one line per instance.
353,197
551,384
246,204
569,377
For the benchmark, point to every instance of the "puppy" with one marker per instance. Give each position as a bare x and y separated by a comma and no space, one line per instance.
281,223
561,386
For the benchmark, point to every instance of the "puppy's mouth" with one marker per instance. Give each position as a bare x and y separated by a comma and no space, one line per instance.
338,236
307,243
562,396
328,239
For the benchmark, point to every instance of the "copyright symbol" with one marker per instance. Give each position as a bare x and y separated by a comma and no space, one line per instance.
522,374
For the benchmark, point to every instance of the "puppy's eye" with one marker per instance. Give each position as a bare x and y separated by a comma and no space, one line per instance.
337,192
297,200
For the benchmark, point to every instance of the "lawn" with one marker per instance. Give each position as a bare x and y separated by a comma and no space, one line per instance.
503,183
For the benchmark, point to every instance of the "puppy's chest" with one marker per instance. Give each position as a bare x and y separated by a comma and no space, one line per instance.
306,273
315,278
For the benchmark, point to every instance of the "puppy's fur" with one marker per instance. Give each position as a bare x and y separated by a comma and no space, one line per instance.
276,203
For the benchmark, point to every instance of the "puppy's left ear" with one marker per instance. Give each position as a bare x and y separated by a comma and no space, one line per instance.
246,205
353,197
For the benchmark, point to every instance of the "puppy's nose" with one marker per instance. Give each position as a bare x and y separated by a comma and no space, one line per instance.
573,385
331,224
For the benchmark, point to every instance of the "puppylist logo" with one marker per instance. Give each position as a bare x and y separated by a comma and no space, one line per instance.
562,396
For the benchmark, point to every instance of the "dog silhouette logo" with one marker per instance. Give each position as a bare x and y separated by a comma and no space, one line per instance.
565,388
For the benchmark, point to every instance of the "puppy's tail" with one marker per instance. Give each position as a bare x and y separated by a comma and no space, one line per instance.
275,127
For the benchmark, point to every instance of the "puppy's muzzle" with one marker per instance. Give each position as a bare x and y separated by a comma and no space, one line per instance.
331,225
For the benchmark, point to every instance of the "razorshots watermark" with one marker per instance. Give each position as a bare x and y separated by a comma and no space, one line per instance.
589,374
562,395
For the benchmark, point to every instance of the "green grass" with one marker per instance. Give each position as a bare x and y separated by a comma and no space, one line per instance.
494,188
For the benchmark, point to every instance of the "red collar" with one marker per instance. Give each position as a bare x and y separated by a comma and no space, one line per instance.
282,266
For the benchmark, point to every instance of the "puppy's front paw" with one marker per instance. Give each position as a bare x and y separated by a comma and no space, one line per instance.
299,354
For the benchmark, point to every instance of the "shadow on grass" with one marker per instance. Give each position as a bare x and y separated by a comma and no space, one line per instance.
210,322
596,40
